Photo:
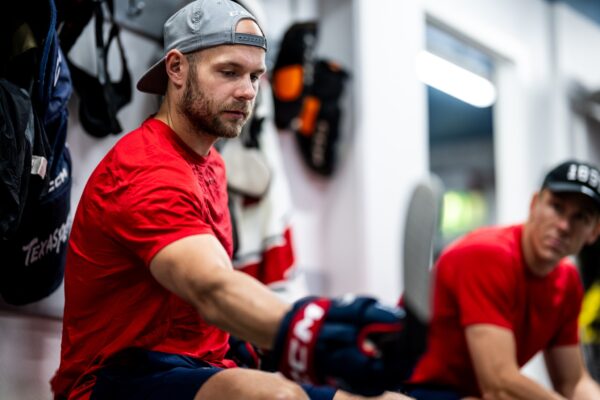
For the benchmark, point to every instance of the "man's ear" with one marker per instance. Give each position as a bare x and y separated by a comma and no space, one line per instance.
534,200
176,65
596,233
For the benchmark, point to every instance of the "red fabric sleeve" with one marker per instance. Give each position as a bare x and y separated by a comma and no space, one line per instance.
157,209
483,286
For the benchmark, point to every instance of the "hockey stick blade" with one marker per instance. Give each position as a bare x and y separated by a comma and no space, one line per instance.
420,229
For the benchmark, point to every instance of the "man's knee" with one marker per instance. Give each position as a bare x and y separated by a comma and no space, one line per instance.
250,384
289,391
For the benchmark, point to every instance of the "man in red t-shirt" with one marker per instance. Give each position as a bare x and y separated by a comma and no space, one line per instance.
502,294
150,292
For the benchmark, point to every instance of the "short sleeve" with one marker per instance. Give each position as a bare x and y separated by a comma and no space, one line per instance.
482,281
157,209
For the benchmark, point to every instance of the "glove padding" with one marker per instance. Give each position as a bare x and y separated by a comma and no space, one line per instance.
355,344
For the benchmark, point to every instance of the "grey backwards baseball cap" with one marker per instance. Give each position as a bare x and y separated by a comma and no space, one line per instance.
199,25
574,177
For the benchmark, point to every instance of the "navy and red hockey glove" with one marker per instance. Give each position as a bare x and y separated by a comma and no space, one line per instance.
356,344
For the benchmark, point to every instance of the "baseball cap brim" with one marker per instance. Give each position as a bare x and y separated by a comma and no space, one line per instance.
563,187
155,79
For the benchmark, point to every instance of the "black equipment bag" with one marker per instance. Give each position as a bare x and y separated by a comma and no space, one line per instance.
36,83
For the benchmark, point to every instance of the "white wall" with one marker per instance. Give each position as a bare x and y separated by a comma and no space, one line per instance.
348,228
390,136
575,63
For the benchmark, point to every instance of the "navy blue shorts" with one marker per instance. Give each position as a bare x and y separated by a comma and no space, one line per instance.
424,393
141,374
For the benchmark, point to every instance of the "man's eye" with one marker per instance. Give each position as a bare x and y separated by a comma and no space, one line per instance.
583,217
228,73
556,206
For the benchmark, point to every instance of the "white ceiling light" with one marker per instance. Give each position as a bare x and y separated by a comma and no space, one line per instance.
454,80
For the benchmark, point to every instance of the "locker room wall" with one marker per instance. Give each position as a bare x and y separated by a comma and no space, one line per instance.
347,229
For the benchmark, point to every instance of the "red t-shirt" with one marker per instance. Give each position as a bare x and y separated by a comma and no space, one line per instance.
149,191
482,279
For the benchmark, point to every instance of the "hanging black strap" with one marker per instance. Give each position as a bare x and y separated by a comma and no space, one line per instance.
100,97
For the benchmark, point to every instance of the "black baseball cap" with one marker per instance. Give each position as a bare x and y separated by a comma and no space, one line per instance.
574,176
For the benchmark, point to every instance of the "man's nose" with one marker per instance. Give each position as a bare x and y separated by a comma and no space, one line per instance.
564,222
246,89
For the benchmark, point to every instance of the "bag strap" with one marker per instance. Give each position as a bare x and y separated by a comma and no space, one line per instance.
45,82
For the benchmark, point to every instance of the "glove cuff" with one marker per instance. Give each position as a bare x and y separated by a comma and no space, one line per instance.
294,349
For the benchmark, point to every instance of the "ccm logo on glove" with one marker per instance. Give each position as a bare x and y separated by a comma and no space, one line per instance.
302,339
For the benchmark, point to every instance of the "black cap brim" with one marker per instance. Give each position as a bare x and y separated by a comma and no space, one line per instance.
563,187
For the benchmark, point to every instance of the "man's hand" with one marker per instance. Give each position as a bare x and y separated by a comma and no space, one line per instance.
356,344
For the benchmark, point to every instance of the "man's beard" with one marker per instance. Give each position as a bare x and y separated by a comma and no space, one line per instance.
203,114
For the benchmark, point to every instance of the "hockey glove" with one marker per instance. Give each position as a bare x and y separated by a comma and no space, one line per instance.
356,344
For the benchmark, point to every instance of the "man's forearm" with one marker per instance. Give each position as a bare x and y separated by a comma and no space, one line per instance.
517,386
198,270
244,308
586,389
